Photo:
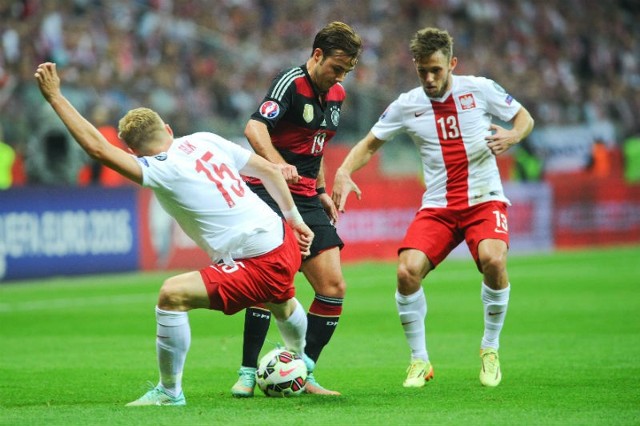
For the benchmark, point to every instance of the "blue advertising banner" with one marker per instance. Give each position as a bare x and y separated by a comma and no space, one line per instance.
48,231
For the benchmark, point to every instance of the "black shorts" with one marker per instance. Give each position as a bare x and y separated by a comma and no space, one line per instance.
314,216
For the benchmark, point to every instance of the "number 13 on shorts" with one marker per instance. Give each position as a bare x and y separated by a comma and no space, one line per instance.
501,222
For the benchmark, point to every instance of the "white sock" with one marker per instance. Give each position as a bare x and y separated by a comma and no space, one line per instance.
173,339
495,304
413,311
294,329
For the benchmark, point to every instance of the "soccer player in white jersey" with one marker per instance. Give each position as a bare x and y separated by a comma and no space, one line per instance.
196,178
449,118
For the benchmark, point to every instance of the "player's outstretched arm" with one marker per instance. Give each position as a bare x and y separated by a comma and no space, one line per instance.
276,186
85,134
357,158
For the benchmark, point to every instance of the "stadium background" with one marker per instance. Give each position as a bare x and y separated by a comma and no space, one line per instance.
205,65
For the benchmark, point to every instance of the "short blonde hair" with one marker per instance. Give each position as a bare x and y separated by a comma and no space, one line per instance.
140,126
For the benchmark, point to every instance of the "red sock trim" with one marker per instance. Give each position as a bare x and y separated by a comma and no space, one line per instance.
325,309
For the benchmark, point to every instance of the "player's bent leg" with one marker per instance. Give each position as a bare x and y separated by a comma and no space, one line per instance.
282,311
292,324
413,265
492,254
183,292
492,260
173,336
324,273
490,374
325,276
256,327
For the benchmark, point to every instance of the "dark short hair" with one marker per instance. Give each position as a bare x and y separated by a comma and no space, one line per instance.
428,41
338,36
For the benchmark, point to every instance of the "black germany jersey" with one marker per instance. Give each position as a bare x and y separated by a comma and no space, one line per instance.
300,123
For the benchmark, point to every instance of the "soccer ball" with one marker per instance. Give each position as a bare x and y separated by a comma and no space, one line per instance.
281,373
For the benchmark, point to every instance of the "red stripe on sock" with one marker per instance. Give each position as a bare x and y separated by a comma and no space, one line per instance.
325,309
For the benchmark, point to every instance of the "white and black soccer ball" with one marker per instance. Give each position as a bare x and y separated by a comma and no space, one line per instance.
281,373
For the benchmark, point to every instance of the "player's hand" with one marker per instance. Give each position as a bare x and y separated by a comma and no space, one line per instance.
342,187
48,80
500,139
304,235
329,207
289,172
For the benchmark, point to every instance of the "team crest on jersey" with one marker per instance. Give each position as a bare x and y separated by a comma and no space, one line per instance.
269,109
335,115
161,156
467,101
307,113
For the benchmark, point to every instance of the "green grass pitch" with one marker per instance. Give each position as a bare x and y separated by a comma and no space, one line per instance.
75,350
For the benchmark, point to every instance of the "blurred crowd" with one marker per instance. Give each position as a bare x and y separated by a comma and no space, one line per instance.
205,65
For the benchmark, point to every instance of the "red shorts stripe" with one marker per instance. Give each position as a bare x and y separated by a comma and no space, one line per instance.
265,278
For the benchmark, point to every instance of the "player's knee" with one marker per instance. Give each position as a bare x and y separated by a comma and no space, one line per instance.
493,263
408,278
172,295
335,287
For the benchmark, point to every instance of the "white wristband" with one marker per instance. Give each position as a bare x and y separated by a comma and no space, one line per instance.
293,215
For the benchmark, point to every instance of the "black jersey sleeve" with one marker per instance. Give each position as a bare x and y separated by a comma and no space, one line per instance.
279,97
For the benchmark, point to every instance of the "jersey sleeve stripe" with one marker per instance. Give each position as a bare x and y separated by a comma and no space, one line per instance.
285,81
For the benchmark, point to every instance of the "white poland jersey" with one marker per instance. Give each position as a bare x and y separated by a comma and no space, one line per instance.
459,169
197,181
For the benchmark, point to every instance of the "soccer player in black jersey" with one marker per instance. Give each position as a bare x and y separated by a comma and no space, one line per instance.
296,119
